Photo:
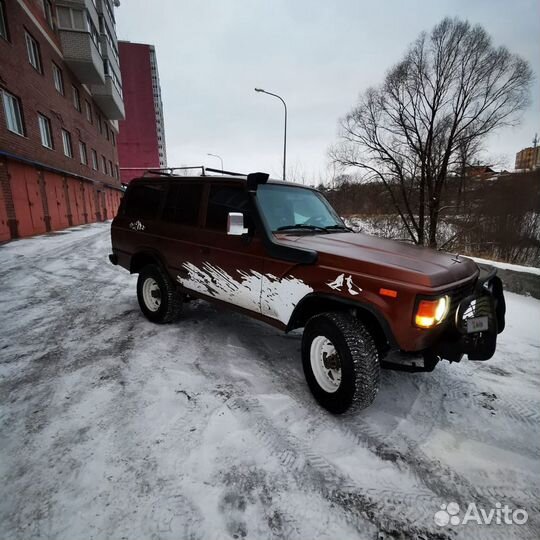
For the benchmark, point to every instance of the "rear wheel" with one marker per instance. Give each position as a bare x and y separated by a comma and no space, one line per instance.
159,299
341,362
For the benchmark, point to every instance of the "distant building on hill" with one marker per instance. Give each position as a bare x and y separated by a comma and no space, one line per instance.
480,171
528,159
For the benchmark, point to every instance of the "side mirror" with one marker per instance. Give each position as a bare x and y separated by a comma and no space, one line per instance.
235,224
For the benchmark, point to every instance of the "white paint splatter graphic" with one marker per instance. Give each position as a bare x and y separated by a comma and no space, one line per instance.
280,296
266,294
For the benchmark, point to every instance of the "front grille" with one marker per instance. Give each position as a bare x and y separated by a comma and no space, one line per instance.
458,294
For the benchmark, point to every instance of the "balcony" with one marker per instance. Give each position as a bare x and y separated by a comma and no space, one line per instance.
108,53
105,8
82,56
109,100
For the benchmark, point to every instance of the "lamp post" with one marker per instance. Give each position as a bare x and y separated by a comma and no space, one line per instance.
219,157
285,133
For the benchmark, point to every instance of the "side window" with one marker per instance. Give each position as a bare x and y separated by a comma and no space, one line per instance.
183,203
144,201
221,201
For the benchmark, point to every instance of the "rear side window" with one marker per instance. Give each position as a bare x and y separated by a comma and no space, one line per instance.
183,203
225,199
144,201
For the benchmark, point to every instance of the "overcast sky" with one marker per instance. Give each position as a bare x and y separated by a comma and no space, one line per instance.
318,55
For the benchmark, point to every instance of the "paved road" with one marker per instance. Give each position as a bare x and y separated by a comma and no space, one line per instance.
111,427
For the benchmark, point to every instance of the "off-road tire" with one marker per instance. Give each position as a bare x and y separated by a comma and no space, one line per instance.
171,299
359,357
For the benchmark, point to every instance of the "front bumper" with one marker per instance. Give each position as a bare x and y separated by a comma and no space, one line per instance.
471,328
474,324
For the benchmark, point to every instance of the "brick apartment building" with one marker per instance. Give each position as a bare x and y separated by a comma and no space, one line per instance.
141,141
61,95
528,159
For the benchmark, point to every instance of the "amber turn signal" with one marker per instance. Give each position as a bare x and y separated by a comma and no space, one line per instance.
431,312
388,292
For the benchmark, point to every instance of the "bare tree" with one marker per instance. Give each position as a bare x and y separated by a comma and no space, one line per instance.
451,90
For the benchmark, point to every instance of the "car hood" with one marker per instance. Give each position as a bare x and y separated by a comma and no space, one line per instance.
390,259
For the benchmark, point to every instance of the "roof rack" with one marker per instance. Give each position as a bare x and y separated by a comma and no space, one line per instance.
230,173
169,171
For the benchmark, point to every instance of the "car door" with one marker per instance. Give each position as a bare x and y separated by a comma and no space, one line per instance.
231,268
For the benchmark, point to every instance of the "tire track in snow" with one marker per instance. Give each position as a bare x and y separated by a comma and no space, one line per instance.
392,511
442,481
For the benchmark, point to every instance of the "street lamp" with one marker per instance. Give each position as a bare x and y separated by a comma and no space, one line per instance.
285,135
219,157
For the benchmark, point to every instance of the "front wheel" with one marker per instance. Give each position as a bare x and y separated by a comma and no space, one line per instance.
341,362
159,299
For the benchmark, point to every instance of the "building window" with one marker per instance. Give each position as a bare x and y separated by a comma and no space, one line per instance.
58,79
13,110
88,109
48,9
104,163
106,131
32,48
72,19
45,131
113,76
84,154
94,34
76,98
66,141
100,123
111,171
113,138
117,173
94,160
3,21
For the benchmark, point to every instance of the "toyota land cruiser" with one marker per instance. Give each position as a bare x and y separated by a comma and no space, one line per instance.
278,252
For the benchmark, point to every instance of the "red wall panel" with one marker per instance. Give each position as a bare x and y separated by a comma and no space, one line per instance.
58,196
56,201
75,201
90,201
138,138
24,182
4,229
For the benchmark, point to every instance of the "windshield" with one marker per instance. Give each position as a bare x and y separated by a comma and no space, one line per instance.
287,207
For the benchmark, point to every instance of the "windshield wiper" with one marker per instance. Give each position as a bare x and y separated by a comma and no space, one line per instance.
338,228
302,226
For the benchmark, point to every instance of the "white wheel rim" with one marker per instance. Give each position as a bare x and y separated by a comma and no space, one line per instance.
151,294
325,364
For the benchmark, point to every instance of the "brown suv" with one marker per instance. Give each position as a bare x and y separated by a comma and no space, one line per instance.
278,252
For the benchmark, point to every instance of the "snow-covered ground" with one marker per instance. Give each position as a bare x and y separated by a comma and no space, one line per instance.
112,427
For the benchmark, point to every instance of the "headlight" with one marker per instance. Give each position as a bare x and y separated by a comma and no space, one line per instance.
430,313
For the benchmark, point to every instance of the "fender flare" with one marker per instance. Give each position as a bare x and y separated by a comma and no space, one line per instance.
330,298
149,252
